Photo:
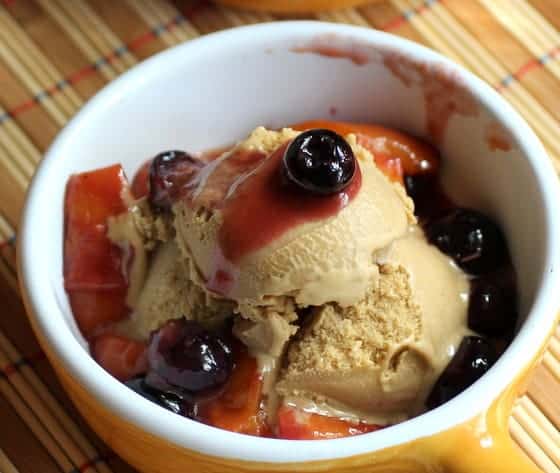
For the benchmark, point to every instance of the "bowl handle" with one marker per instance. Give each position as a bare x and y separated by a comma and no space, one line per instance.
484,444
474,448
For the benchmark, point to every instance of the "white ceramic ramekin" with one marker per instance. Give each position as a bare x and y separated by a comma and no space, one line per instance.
211,91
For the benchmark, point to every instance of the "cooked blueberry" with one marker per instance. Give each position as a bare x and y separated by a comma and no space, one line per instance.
170,171
493,304
187,356
170,401
319,161
474,241
474,357
425,191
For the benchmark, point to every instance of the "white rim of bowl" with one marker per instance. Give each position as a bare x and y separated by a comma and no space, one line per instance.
220,443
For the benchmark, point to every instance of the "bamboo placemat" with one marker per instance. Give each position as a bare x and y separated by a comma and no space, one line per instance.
55,54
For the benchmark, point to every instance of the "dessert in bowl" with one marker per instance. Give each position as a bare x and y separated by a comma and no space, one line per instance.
488,153
283,286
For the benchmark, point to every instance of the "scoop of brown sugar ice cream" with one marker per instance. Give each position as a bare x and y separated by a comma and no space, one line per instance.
377,360
313,262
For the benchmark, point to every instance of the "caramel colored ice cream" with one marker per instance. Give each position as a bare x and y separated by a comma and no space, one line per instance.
384,309
168,291
315,262
377,359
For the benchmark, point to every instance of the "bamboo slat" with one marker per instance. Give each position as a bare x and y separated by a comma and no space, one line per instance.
6,465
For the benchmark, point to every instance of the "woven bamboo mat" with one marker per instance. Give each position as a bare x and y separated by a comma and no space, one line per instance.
55,54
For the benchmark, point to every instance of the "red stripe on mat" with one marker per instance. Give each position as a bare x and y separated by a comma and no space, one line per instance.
405,17
531,65
12,368
94,461
4,244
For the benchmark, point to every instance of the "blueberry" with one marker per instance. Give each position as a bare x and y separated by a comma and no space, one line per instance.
493,304
186,356
474,357
320,162
169,400
170,172
425,191
474,241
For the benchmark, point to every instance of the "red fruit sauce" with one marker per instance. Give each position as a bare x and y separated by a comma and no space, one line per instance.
258,206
